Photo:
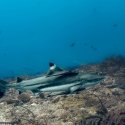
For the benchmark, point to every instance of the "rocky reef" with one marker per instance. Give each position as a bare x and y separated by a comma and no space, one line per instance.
102,104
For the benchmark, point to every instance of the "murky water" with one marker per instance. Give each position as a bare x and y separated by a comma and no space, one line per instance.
69,33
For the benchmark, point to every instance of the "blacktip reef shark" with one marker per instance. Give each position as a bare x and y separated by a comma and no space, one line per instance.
56,80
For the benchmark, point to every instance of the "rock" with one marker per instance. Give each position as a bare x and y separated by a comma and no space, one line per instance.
30,93
33,104
61,113
36,100
56,99
68,123
47,94
11,101
11,96
24,97
41,95
118,91
12,93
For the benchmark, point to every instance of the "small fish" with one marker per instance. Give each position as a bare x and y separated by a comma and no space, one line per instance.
115,25
72,44
93,48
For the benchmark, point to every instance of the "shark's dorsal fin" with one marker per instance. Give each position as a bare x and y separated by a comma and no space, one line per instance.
53,68
18,80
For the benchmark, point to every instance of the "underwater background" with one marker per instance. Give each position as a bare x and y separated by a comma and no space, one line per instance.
67,32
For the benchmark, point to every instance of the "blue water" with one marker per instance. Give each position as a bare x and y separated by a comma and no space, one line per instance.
67,32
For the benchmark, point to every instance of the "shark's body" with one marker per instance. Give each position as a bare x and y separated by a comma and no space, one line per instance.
56,80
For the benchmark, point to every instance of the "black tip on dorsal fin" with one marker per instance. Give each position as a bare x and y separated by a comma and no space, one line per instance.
54,67
19,80
51,64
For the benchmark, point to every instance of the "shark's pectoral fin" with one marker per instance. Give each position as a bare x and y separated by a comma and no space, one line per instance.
75,88
89,85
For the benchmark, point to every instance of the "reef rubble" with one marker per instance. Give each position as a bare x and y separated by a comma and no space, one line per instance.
103,104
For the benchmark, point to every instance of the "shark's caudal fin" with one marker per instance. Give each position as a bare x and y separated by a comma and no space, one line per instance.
53,68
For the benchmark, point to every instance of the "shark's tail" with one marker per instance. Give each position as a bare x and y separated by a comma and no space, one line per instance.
3,86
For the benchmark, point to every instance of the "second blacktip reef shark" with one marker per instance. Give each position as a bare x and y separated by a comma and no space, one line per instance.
56,80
